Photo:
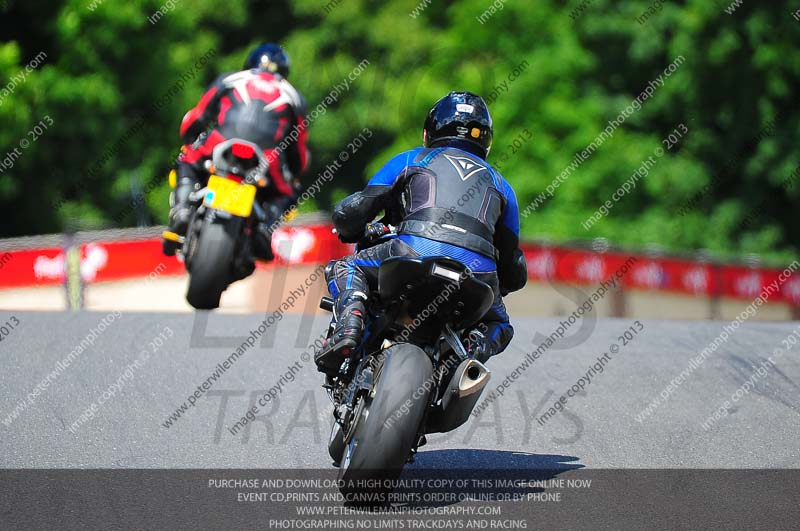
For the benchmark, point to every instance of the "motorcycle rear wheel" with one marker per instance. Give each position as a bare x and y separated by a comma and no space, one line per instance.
336,443
387,425
210,266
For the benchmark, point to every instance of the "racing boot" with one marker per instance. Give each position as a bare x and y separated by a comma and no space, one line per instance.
181,211
348,331
479,347
262,243
262,233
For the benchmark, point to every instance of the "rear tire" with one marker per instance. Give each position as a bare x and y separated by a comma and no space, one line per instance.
336,443
211,262
387,425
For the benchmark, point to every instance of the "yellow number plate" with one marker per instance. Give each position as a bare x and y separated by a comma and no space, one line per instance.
230,196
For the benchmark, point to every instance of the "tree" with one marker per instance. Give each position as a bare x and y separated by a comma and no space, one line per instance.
555,76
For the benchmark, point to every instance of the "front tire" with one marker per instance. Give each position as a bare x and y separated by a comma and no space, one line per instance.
388,423
211,262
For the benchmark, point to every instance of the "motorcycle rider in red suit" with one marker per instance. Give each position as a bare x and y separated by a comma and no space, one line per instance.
259,105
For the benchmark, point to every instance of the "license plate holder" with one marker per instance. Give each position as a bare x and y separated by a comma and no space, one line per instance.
230,196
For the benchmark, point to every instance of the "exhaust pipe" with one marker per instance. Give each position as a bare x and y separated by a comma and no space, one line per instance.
461,395
470,377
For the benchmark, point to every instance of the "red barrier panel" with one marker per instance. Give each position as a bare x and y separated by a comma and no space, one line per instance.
669,274
316,244
104,261
312,244
29,268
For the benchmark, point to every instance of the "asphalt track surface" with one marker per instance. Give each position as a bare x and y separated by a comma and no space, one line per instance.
598,428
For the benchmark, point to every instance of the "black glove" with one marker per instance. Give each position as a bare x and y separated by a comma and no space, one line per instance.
373,232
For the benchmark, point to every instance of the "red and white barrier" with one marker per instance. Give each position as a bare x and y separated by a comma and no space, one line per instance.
667,274
316,244
116,260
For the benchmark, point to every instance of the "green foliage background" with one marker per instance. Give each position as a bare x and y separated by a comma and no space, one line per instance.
106,66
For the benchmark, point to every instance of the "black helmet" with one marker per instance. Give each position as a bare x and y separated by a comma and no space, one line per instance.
269,57
460,119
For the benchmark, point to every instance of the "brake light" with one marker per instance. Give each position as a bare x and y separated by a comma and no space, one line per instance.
243,151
